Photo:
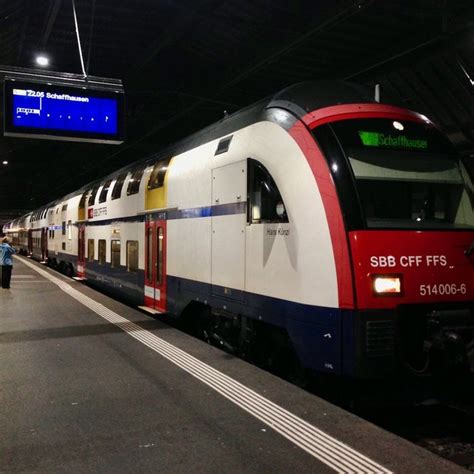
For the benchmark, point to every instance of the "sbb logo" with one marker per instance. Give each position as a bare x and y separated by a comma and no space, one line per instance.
383,261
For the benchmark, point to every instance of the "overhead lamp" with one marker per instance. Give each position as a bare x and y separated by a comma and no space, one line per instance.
398,125
5,162
42,61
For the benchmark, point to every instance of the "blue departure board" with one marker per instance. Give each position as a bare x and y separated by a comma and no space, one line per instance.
63,113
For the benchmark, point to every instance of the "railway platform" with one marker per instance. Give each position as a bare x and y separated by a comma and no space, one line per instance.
88,384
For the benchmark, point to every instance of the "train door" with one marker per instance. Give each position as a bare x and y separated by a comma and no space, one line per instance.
81,251
44,244
155,265
30,241
229,195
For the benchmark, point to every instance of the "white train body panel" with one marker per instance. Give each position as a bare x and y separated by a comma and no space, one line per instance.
298,266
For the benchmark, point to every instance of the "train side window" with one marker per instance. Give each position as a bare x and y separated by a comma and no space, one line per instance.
265,203
93,195
157,176
134,182
132,255
102,250
103,193
64,228
117,191
90,250
82,206
115,254
64,208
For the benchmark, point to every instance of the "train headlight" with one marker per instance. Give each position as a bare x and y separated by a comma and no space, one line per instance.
387,284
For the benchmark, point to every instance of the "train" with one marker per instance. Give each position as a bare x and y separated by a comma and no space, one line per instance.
319,228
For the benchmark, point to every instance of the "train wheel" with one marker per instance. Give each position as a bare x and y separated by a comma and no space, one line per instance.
69,271
197,320
296,373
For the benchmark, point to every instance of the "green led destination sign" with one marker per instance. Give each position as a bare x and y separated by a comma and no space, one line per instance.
377,139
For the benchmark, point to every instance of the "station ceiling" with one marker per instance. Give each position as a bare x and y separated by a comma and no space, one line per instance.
185,63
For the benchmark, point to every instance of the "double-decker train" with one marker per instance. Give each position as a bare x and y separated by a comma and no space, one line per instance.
317,224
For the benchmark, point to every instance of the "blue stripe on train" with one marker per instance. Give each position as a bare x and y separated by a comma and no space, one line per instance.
173,214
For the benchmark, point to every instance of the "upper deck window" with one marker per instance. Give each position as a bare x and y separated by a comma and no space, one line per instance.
105,189
117,191
93,195
407,174
157,177
134,182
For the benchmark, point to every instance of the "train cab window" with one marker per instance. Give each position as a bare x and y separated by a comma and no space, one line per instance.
105,189
132,256
265,204
117,191
407,175
102,251
134,182
115,254
90,250
157,177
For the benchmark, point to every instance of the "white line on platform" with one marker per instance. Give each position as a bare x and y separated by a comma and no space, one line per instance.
28,281
332,452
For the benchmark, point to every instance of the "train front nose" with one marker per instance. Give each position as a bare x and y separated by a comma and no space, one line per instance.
420,286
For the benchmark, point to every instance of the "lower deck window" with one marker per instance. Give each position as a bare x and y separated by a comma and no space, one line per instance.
115,253
90,250
132,255
102,250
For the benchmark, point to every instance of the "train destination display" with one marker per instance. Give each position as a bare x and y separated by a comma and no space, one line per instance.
60,112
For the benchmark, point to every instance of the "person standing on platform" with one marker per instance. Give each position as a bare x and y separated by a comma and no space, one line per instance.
6,261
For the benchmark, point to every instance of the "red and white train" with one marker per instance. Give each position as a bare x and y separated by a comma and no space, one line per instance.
318,220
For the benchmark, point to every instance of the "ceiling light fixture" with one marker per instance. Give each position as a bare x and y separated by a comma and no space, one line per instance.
42,61
5,162
398,125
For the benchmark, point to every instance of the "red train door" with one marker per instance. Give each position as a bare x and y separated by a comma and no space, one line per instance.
44,244
81,252
155,265
30,242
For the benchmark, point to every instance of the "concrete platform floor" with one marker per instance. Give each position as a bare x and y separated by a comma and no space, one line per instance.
88,384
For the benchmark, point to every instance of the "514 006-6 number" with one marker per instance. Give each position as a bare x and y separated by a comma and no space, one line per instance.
443,289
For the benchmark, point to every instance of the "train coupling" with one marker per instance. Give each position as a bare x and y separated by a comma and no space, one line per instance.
449,340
